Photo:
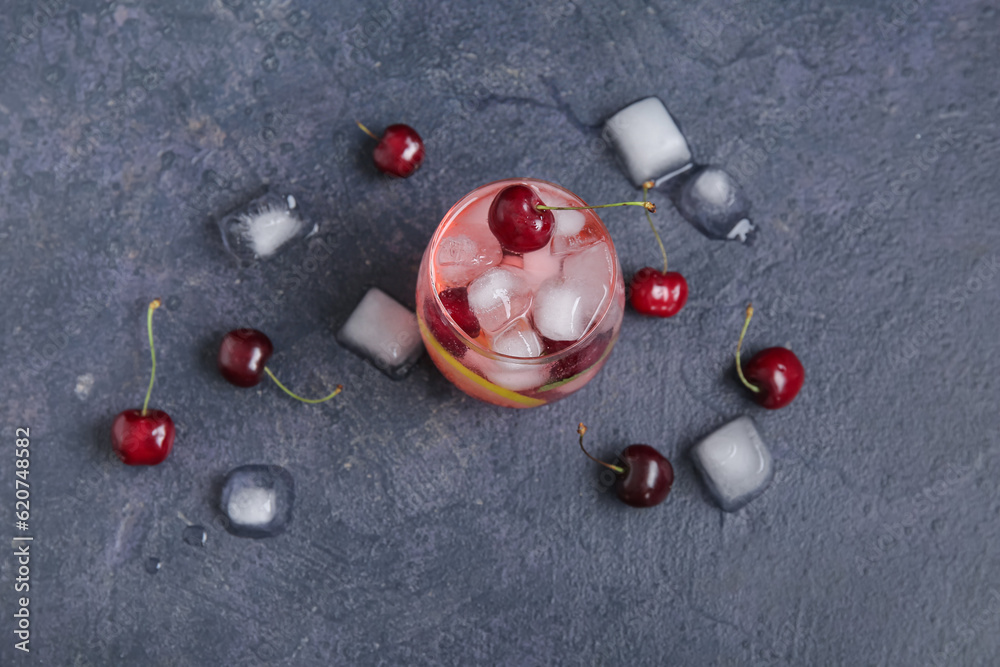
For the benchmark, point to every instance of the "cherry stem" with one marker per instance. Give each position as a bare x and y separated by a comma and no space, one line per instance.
581,429
648,205
739,346
313,401
645,197
153,305
367,131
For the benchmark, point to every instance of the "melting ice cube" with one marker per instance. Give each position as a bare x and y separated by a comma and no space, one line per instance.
513,375
383,332
593,265
564,308
734,463
517,340
539,266
711,200
262,227
569,235
499,296
568,223
461,259
257,500
648,142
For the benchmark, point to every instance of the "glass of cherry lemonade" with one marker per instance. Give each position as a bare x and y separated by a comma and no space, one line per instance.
520,329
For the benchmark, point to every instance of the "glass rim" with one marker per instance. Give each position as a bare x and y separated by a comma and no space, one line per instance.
592,331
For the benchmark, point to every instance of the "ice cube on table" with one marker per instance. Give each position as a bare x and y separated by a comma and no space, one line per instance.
257,500
734,463
259,229
648,142
715,204
564,308
499,296
517,340
383,332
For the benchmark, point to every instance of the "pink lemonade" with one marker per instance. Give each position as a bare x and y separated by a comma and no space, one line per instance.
545,321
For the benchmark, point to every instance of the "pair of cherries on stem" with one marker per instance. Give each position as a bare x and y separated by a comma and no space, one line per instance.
145,437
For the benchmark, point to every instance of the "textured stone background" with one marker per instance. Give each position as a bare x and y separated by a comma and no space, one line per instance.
431,528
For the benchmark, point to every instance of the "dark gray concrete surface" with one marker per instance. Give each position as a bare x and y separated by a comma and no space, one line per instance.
432,529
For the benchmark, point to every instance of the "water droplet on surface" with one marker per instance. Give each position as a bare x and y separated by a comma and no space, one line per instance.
195,535
152,565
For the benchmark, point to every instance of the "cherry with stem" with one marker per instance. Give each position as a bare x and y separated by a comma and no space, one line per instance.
400,150
777,371
645,478
243,358
522,223
144,437
657,293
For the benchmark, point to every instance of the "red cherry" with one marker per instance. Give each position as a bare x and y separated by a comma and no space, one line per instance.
645,476
243,358
142,439
243,355
517,224
400,150
658,294
777,372
647,479
456,302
